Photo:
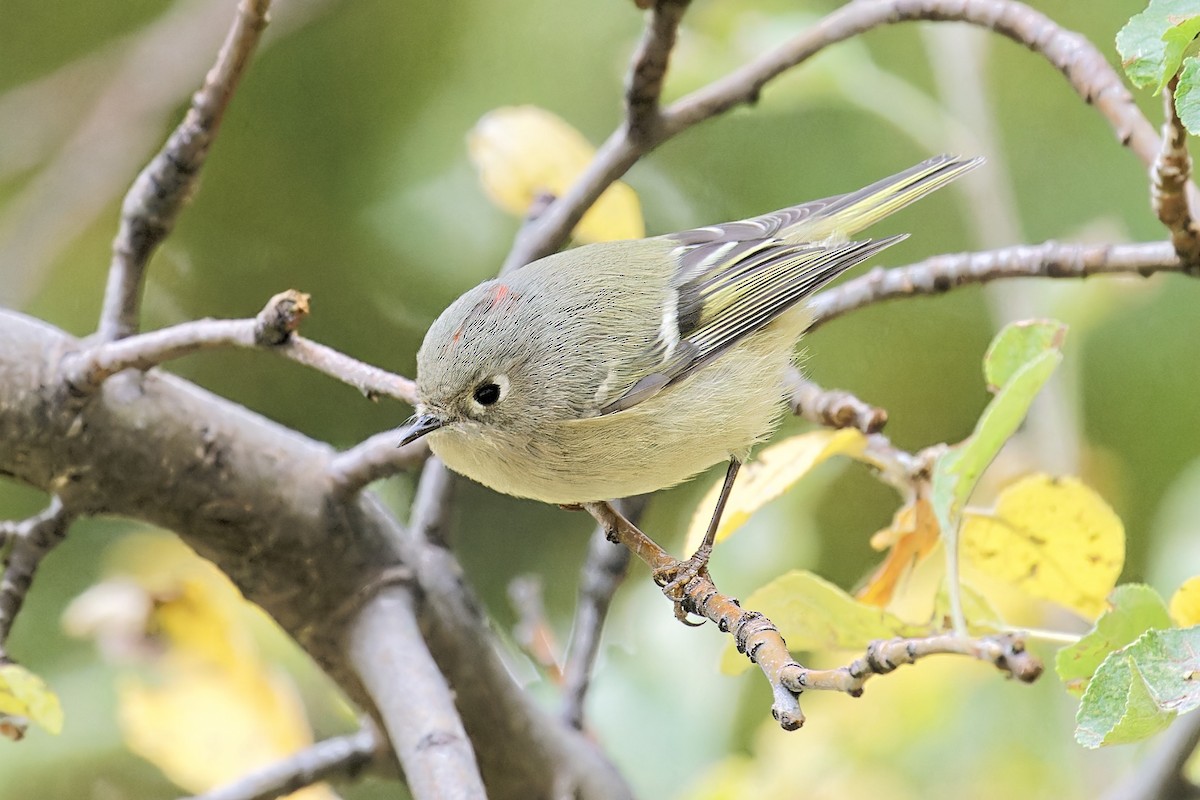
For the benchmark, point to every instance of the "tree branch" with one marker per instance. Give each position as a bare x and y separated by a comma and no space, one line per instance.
759,639
162,189
1006,652
833,408
32,539
272,330
1170,176
1084,67
342,756
649,69
554,756
411,694
376,458
941,273
603,571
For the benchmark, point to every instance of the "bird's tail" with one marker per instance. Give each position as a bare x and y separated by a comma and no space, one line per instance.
843,216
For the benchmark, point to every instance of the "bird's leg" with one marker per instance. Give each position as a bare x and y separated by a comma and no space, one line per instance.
674,578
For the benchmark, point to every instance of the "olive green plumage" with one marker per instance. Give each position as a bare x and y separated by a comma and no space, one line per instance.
623,367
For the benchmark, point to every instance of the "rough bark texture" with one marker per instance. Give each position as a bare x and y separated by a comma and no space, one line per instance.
255,498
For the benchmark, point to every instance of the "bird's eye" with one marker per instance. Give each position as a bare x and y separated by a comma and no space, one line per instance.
487,394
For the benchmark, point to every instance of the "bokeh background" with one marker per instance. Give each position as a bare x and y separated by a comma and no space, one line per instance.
342,170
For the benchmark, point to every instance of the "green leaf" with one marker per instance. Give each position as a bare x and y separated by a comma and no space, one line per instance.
1135,609
23,694
1187,96
959,468
1153,42
1176,40
1017,345
813,614
1140,688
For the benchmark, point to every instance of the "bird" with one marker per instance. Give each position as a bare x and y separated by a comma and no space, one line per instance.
620,368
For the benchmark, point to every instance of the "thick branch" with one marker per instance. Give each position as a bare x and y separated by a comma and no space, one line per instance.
411,694
941,273
555,756
255,498
340,757
160,191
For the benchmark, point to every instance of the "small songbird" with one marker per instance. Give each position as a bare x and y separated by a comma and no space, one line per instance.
619,368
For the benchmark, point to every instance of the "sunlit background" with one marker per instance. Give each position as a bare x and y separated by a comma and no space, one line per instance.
342,170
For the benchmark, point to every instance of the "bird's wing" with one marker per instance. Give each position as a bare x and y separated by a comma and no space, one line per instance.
721,295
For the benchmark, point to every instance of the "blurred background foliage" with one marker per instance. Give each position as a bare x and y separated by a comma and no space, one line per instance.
342,171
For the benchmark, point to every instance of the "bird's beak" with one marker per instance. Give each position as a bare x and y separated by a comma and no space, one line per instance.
420,425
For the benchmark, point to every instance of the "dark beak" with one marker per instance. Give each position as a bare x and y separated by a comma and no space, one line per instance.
420,425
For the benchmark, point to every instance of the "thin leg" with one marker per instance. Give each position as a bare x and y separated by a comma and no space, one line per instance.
679,577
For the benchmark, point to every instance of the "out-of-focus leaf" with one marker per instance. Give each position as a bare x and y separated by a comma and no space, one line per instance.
813,614
524,152
1139,689
910,538
23,694
206,726
1185,603
769,475
204,706
1134,609
982,617
1054,537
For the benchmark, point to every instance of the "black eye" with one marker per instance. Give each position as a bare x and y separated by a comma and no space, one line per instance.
487,393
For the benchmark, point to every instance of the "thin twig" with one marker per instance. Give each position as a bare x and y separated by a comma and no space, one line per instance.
649,69
1170,176
376,458
1005,651
941,273
272,330
603,571
160,191
340,757
31,539
533,630
833,408
757,637
1084,67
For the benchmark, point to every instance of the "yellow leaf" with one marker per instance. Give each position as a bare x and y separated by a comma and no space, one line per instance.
911,536
769,475
1185,603
1054,537
23,694
524,152
205,726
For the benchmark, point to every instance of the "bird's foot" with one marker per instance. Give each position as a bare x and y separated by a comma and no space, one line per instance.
674,580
